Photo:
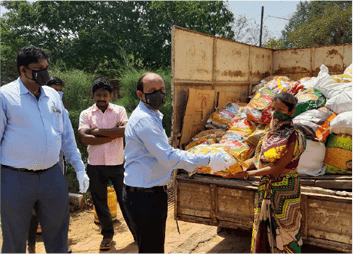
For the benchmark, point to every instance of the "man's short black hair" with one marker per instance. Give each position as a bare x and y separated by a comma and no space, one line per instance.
101,84
288,99
31,54
55,81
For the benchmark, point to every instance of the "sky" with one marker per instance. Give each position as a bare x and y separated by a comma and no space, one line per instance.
274,12
252,10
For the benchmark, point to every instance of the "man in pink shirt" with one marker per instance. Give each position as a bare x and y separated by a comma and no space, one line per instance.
101,129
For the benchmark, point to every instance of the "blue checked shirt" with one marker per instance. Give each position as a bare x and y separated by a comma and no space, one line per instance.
32,131
149,159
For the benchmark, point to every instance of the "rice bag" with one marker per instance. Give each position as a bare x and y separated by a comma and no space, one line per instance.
204,140
238,148
338,157
242,125
342,78
221,118
309,99
253,138
315,123
216,148
217,133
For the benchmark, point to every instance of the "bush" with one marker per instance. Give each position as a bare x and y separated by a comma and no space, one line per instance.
130,100
77,97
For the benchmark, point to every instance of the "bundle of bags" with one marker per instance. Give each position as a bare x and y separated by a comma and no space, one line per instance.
323,114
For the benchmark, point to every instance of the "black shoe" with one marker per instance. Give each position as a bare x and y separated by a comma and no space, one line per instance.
69,250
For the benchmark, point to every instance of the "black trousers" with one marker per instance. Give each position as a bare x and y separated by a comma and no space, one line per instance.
99,177
148,215
32,232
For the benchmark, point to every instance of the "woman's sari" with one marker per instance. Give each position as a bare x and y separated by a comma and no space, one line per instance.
277,216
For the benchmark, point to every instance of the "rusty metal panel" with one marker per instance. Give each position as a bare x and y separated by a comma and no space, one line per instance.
347,52
236,203
232,61
330,219
194,199
291,61
260,64
331,56
193,54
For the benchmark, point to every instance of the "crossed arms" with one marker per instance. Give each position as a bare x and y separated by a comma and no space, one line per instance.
99,136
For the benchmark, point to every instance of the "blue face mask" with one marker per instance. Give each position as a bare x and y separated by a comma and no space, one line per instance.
61,93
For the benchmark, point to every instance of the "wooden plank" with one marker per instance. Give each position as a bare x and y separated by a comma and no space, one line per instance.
334,184
328,177
343,247
304,209
214,199
193,212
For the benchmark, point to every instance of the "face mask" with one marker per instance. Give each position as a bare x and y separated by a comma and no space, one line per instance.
281,116
156,99
61,93
40,76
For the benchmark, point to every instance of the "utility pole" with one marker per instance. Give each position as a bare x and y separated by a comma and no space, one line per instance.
262,18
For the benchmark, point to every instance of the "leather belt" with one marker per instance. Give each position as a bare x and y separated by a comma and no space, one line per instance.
155,189
25,169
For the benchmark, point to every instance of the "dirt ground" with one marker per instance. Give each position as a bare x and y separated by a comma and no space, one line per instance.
85,237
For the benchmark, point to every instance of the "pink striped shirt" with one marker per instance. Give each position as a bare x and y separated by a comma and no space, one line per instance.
111,153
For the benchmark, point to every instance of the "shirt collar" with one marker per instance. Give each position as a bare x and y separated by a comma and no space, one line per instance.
144,108
95,108
24,90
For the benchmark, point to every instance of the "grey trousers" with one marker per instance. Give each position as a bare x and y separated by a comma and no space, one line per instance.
19,192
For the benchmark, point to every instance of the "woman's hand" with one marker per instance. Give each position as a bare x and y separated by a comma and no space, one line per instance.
244,174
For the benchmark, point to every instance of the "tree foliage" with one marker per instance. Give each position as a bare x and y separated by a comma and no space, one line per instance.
107,38
319,23
10,43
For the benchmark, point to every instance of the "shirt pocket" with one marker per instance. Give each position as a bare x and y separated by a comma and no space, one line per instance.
58,123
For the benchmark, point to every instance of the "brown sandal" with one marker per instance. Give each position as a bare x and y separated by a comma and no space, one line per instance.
106,244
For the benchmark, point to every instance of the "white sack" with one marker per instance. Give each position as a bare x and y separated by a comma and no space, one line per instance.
340,103
309,83
327,85
342,123
312,160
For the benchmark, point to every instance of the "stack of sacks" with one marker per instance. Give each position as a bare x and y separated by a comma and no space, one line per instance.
315,123
234,141
206,137
216,148
266,80
338,157
309,99
312,118
220,119
342,124
258,109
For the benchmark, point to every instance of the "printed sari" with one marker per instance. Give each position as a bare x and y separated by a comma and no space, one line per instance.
277,216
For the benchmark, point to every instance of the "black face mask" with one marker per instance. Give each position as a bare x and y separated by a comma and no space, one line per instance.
156,99
40,76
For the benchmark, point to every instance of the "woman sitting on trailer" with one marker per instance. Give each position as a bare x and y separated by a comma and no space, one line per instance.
277,202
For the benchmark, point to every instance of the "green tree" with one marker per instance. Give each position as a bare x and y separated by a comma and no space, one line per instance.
326,23
87,35
158,17
299,17
9,46
109,37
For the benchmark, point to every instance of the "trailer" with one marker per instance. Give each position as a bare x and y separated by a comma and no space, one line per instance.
209,72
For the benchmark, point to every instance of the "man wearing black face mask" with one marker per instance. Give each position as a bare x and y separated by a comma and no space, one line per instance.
150,161
34,126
